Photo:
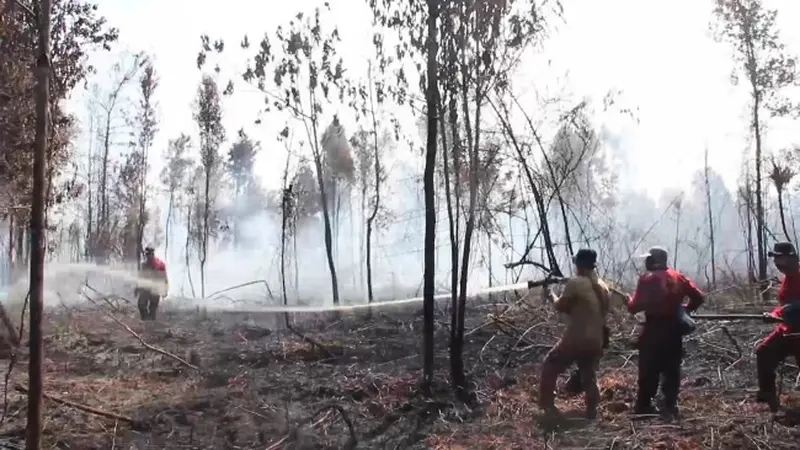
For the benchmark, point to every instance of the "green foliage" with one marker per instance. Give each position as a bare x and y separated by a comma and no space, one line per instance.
763,58
77,31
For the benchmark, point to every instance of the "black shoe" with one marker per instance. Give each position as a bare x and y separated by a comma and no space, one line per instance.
770,399
671,412
644,409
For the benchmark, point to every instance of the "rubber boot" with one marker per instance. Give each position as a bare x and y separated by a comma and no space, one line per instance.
770,399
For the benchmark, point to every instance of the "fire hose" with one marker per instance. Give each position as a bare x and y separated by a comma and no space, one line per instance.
789,314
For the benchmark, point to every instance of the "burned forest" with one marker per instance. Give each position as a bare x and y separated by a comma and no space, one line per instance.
394,225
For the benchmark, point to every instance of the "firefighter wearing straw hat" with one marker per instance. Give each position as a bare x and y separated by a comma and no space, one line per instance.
586,301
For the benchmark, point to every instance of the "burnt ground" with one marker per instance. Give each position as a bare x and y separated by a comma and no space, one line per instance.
256,385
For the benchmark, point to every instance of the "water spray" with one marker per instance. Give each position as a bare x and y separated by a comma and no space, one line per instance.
382,304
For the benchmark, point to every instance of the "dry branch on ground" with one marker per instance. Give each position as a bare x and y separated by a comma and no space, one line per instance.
264,386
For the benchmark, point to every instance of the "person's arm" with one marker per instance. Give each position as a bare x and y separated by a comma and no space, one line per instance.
604,294
563,304
647,289
161,273
696,296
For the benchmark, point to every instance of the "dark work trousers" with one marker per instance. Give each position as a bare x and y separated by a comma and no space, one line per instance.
574,385
555,363
660,358
770,354
148,304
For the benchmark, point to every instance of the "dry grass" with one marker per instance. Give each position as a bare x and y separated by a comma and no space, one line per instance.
258,386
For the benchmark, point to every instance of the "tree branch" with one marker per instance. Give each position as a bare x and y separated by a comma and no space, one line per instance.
85,408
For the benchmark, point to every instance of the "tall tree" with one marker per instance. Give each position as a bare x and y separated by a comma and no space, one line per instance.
781,175
38,202
431,103
369,149
241,159
710,218
174,177
208,115
76,32
147,124
307,71
114,128
480,44
339,172
763,59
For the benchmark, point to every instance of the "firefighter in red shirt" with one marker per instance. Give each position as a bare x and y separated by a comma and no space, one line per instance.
659,294
155,284
782,342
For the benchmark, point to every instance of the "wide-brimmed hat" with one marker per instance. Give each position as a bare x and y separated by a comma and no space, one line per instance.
782,249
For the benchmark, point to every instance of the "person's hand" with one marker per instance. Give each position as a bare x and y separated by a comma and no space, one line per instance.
547,294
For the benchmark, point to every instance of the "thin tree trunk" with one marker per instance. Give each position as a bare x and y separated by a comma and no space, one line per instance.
751,261
489,255
187,248
296,262
783,215
39,202
710,224
791,216
284,216
376,206
429,271
457,345
168,224
760,225
10,273
326,212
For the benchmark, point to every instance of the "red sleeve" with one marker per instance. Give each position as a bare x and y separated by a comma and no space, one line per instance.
159,265
647,288
690,289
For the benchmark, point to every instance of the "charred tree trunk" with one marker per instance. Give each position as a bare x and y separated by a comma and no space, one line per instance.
756,124
432,101
711,236
187,248
287,192
326,210
37,224
376,207
783,215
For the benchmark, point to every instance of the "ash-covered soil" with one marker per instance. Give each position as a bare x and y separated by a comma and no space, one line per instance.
238,381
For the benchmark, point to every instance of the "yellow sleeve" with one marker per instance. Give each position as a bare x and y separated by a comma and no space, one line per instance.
605,300
567,299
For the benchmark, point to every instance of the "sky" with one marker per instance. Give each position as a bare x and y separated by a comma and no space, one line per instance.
660,55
